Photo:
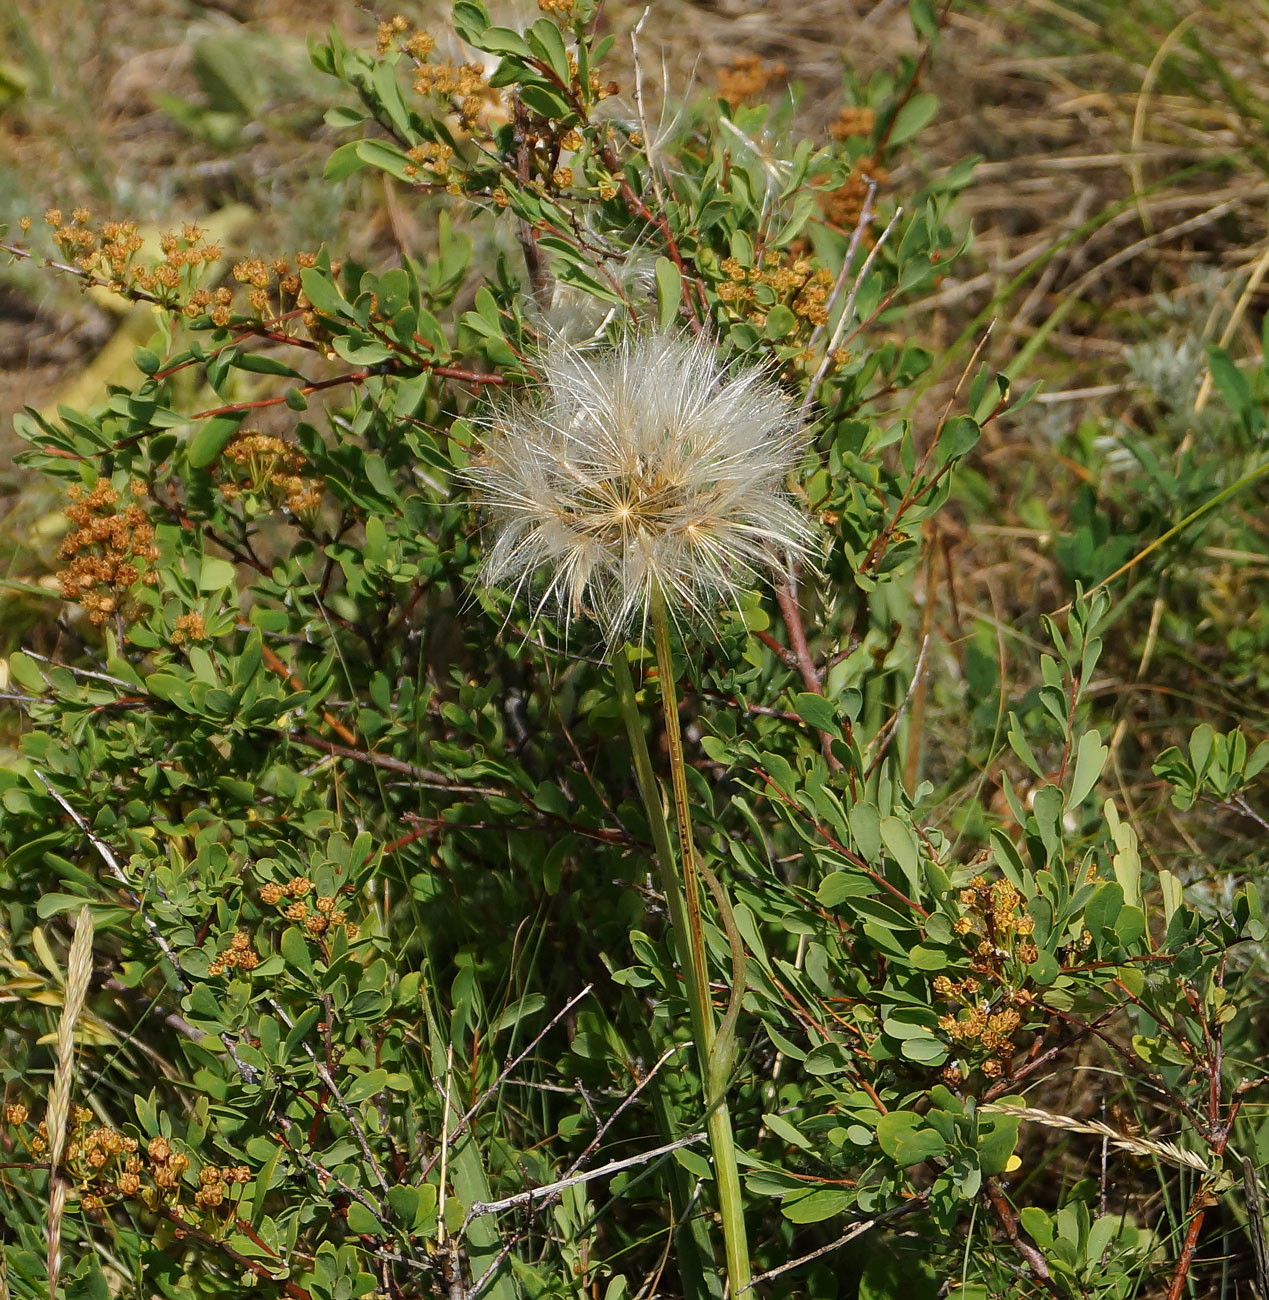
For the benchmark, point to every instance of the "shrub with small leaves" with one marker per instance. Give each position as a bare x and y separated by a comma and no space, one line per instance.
399,603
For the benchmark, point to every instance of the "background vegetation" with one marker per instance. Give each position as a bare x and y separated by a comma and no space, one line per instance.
374,935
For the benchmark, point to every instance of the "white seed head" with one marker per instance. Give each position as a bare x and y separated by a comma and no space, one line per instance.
579,318
635,471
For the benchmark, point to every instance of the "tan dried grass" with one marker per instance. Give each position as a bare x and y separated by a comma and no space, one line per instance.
79,967
1168,1152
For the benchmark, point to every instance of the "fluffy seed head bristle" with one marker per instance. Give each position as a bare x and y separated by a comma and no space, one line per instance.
639,471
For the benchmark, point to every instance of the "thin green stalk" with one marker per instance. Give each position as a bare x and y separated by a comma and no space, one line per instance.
646,778
693,1252
685,912
695,931
713,1071
698,1271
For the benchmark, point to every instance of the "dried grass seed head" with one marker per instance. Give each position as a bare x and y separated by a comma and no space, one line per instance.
636,472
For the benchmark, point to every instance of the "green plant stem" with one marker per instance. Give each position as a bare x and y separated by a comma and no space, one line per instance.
656,823
695,932
682,891
699,1249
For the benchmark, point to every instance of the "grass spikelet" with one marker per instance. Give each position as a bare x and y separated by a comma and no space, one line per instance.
1168,1152
79,967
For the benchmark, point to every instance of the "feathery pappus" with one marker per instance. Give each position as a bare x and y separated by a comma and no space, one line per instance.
639,472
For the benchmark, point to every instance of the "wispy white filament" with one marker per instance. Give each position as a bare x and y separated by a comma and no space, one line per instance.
636,470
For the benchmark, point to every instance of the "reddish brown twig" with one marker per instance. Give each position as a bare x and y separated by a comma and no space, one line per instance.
791,613
276,665
528,235
782,652
253,1266
475,377
261,329
1217,1134
1028,1250
913,82
853,858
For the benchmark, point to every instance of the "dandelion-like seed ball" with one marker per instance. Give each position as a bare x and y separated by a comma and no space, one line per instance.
636,474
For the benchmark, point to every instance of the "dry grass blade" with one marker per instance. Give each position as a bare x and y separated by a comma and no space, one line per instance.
78,968
1166,1151
1139,114
1256,1225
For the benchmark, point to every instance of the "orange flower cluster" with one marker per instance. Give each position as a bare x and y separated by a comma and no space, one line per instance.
851,122
434,156
324,916
977,1025
213,1182
795,281
276,276
462,81
595,84
842,206
746,78
189,627
105,1161
267,466
995,914
240,955
109,253
105,551
418,44
107,1164
998,933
